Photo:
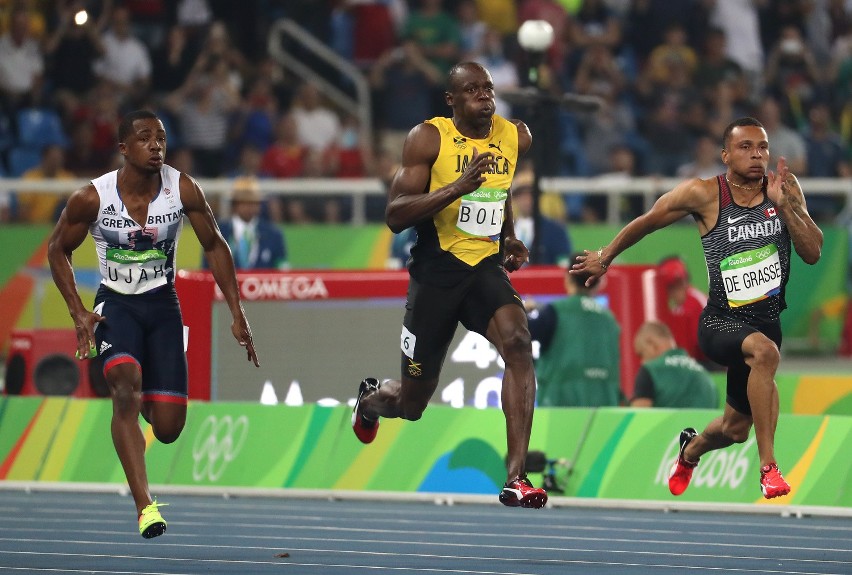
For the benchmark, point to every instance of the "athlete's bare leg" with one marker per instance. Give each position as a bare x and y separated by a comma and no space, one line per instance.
166,419
763,357
509,333
731,427
125,382
407,399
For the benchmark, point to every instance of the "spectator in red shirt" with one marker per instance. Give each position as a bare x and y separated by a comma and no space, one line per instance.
685,304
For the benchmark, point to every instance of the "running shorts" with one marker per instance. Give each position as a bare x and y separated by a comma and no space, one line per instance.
721,339
432,314
145,329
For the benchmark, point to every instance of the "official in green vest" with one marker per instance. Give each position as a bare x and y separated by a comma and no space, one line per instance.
578,363
669,377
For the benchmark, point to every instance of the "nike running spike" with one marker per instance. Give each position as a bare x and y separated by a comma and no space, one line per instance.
681,472
365,429
520,493
772,484
151,523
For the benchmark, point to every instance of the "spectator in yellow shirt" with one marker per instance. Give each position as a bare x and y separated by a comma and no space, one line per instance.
38,207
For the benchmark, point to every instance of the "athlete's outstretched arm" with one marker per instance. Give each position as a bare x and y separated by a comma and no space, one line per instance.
219,256
784,190
686,198
409,201
70,231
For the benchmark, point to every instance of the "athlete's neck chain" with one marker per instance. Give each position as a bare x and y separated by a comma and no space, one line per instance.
742,187
758,188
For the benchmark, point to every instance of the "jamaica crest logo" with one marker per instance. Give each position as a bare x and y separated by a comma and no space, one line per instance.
414,368
460,142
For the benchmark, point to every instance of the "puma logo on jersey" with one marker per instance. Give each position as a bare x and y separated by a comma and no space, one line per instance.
497,146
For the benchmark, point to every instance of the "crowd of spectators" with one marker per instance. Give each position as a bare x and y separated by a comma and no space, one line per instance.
673,73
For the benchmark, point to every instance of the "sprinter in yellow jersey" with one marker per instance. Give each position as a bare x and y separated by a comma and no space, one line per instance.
453,186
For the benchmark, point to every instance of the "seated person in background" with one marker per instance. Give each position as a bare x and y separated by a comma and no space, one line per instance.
579,362
554,244
37,207
668,376
685,304
255,242
400,250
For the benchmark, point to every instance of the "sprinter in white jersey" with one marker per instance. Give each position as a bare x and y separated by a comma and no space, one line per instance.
747,219
135,216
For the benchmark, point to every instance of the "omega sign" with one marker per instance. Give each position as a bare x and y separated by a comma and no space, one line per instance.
280,287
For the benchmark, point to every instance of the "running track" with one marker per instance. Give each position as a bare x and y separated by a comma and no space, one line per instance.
60,532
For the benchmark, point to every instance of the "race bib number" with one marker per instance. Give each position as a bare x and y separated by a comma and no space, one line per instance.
481,213
132,272
751,276
407,340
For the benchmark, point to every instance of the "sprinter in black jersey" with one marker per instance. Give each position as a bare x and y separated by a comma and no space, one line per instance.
135,215
747,218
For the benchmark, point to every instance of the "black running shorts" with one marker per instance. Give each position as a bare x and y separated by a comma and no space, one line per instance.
721,339
145,329
433,313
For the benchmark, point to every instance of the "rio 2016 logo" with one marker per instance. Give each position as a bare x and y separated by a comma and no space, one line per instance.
217,443
724,468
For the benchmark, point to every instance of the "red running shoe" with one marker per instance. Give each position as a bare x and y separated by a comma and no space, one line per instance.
681,472
771,482
365,429
520,493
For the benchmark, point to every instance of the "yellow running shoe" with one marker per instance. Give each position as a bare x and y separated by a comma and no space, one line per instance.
151,523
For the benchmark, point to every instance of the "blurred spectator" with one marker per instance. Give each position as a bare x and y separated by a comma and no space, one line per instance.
668,137
255,242
203,106
668,376
172,62
125,62
554,245
792,75
37,24
684,303
254,122
351,155
373,30
828,157
706,162
599,73
404,81
285,158
786,141
81,158
573,370
100,111
622,167
504,72
715,66
471,28
72,49
501,15
673,53
317,125
595,24
740,22
37,207
436,33
21,65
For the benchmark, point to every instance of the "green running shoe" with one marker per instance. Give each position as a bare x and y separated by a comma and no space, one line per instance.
151,523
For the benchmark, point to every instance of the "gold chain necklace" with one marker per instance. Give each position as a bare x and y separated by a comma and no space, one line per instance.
742,187
758,187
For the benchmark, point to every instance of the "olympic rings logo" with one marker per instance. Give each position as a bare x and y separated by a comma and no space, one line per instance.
218,442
